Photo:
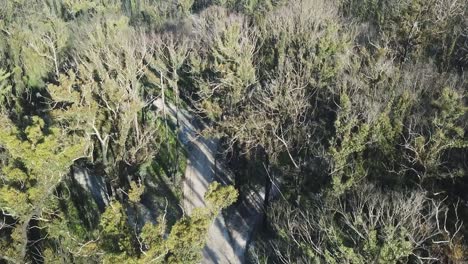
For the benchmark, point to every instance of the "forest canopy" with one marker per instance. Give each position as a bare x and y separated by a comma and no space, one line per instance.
345,122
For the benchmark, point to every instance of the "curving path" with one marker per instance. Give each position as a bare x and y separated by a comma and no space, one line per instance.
200,172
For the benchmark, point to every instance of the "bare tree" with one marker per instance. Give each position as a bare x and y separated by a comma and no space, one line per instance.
380,227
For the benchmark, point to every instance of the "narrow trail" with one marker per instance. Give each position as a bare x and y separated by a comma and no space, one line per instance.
200,172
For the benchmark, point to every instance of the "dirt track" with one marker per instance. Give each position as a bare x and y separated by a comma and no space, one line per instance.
200,172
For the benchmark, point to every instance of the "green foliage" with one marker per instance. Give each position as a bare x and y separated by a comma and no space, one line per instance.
305,34
219,196
103,99
5,88
184,242
116,234
186,6
320,95
76,6
446,131
35,47
231,69
135,192
346,172
389,126
38,158
249,7
153,235
397,246
39,161
78,216
188,236
416,29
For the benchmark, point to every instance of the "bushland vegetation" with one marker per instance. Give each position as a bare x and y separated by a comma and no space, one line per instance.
350,115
